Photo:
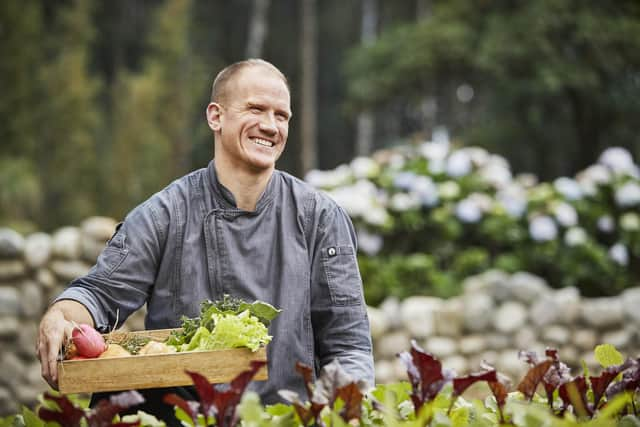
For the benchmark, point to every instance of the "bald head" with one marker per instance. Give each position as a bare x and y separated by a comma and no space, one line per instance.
221,84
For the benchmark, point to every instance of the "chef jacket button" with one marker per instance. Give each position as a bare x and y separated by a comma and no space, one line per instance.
331,251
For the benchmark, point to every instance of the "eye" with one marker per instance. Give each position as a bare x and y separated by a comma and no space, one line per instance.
282,117
255,110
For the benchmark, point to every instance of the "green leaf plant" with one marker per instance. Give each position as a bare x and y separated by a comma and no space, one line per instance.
547,395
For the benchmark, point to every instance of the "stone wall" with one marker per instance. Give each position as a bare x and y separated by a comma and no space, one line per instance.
497,314
33,270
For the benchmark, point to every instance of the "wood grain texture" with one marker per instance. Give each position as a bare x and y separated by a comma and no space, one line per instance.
156,370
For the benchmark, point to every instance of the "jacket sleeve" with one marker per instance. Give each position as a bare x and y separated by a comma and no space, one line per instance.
120,281
338,311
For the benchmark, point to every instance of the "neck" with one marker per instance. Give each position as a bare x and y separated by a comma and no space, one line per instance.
246,187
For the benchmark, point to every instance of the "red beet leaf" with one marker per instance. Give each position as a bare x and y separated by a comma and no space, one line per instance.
103,413
575,393
425,374
460,384
600,383
205,392
218,402
352,398
307,374
100,416
189,409
630,381
533,377
68,416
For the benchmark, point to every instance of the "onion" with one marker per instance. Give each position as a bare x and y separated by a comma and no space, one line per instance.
88,341
114,350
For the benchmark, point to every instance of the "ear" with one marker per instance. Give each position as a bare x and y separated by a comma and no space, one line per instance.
214,115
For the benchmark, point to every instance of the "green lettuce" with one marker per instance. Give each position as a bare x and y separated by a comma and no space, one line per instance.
231,331
228,323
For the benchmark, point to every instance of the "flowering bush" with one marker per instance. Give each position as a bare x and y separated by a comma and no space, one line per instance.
428,215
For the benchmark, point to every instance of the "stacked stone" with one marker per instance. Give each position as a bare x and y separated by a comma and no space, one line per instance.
499,314
33,270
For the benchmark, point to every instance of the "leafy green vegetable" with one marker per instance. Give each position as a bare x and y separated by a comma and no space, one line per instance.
228,323
607,355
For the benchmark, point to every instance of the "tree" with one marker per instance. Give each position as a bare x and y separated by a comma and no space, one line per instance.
308,116
553,82
365,121
21,32
258,28
66,142
155,111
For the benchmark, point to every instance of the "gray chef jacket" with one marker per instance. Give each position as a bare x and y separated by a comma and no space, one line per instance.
190,242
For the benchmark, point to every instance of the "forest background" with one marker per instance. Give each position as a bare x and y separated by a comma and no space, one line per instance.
102,102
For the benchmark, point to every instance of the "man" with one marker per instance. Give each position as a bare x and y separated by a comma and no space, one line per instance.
240,227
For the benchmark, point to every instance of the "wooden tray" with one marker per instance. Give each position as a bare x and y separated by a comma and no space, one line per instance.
155,370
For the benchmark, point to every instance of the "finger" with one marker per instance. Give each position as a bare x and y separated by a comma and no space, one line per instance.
47,353
53,348
42,356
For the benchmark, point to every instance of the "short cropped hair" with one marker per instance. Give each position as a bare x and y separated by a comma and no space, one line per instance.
221,82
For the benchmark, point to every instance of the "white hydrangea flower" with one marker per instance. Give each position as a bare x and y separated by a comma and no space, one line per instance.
498,160
619,160
356,199
575,236
376,216
369,243
596,174
619,254
367,187
437,166
478,155
434,150
404,180
449,190
526,180
565,214
396,161
588,188
542,228
458,164
403,202
425,191
364,167
628,194
495,173
630,221
568,188
468,211
353,202
483,200
316,178
513,199
606,224
440,135
331,178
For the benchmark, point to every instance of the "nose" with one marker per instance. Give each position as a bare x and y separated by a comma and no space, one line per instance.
268,124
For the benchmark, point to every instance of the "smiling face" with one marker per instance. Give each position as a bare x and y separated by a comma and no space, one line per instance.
251,122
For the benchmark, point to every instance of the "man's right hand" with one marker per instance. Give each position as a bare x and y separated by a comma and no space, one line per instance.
56,327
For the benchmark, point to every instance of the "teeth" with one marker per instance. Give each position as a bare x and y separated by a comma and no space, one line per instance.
263,142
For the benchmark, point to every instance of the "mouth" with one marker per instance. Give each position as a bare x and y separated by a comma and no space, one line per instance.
262,142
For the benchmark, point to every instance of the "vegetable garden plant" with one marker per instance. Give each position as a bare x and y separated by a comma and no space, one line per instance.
547,395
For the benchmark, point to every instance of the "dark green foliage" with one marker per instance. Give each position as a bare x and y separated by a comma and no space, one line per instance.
406,275
554,81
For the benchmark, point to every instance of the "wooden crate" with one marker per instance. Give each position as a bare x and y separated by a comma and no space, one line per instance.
156,370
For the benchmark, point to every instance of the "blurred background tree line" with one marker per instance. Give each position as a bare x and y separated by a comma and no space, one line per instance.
103,101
